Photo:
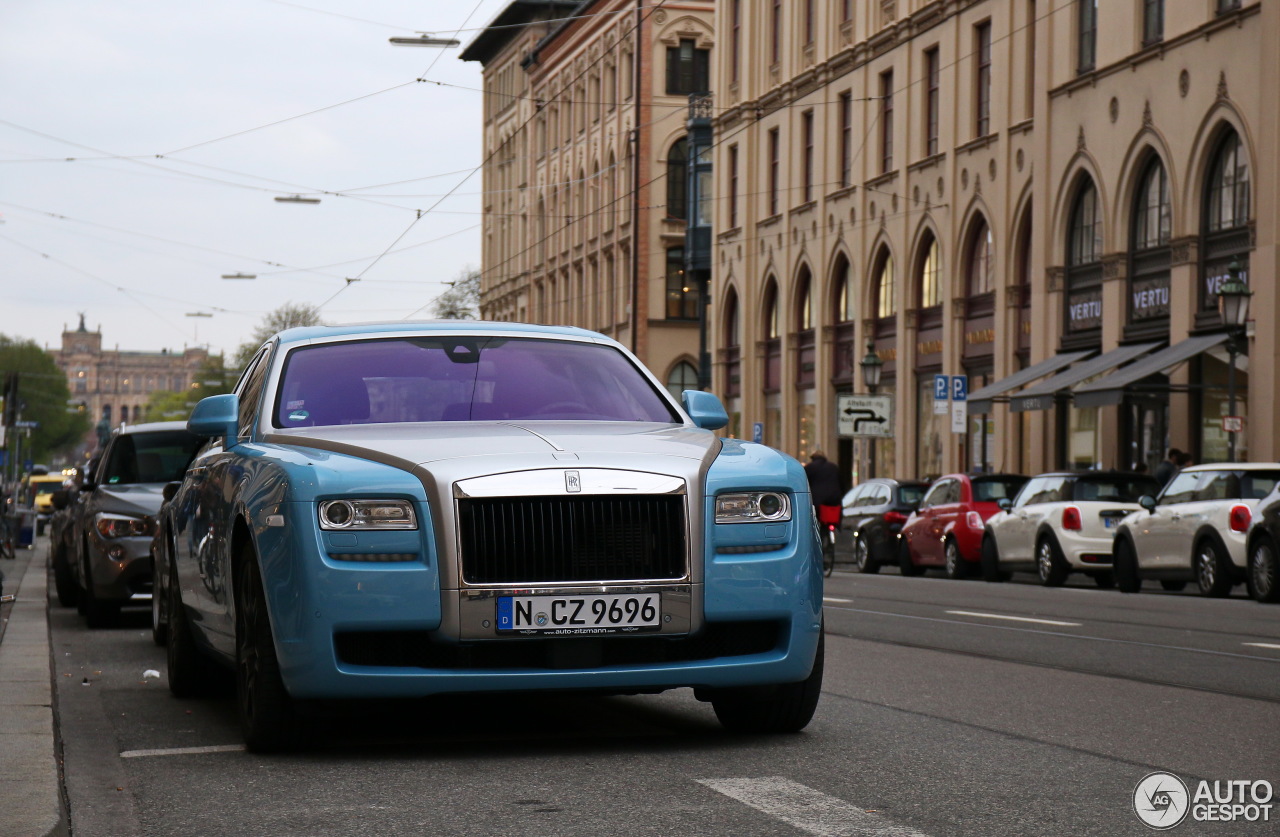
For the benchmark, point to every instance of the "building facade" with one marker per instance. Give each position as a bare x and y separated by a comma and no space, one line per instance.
114,386
1040,195
585,146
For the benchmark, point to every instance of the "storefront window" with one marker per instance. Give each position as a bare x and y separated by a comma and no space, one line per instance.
1082,438
930,427
1215,405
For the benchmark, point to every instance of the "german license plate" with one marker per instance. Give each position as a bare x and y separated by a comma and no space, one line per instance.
1110,522
590,614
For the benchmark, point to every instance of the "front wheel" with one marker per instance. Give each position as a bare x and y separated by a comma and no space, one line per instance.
1263,574
905,565
788,708
1213,570
1050,564
268,716
97,613
1125,563
64,580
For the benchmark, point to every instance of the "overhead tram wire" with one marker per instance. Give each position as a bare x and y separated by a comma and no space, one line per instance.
568,84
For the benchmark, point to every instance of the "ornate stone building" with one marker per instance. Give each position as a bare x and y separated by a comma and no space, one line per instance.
114,386
586,105
1040,195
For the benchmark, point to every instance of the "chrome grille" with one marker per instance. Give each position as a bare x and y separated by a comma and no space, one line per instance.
534,540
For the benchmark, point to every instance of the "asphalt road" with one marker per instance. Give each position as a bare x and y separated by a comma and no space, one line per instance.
949,708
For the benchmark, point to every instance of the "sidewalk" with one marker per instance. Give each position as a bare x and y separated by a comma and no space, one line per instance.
30,802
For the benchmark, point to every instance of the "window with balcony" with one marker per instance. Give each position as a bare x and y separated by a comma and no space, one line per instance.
688,69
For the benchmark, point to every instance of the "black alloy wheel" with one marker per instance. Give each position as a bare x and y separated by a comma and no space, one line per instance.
268,715
862,560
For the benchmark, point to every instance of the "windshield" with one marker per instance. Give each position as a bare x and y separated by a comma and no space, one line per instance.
463,379
162,456
1116,489
995,490
909,495
47,487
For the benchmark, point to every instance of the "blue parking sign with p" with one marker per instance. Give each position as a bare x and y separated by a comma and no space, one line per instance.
959,387
940,383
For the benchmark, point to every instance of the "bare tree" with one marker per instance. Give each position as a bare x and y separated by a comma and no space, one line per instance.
462,300
289,315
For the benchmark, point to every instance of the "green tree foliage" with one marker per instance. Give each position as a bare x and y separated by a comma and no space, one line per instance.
213,378
462,300
289,315
43,395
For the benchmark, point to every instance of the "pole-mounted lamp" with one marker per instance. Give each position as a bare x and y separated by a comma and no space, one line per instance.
1233,306
872,366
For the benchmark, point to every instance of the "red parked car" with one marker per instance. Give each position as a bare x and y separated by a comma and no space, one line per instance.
946,531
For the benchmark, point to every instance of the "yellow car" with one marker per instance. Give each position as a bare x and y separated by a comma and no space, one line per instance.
42,487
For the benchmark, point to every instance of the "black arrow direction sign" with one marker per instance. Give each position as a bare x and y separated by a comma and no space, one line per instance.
872,417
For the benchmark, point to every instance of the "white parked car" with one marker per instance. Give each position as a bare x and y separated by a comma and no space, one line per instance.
1060,523
1195,530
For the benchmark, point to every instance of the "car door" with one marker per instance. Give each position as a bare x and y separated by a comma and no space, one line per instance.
944,517
1029,511
1159,536
923,533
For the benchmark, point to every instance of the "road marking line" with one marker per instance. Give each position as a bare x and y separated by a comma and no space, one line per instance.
1075,637
841,601
1262,645
183,751
1013,618
806,809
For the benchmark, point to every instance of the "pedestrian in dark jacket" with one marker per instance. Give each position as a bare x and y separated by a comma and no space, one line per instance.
1168,466
824,480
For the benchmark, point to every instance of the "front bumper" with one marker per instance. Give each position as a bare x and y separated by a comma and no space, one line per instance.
121,569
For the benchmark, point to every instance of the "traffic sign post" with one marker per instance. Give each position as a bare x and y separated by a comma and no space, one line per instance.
941,393
868,416
959,403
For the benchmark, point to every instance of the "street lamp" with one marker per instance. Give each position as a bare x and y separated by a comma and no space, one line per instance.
196,325
239,275
872,366
425,39
1233,305
295,199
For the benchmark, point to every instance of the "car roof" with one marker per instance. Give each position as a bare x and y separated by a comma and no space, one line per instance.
1232,466
306,334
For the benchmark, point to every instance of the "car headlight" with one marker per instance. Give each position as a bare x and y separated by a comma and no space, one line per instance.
123,526
753,507
345,515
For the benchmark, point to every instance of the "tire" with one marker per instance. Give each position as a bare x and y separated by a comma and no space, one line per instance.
1173,586
905,565
1050,564
64,580
191,673
268,715
97,613
1105,580
159,613
828,557
862,560
788,708
991,562
1125,564
957,567
1263,572
1212,569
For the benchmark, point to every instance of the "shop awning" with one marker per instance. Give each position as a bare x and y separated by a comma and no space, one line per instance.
981,400
1042,395
1111,388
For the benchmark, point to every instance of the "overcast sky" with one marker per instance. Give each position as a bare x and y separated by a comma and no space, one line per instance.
187,119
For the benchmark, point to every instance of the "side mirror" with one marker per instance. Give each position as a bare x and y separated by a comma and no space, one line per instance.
1147,502
1004,503
217,415
704,408
60,499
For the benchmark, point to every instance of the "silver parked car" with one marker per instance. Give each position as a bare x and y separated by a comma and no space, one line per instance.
1195,530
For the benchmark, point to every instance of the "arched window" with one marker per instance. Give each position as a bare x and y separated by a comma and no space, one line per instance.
1084,267
804,300
927,281
732,326
841,280
1224,230
1084,242
981,273
678,179
773,338
1149,255
884,302
682,377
